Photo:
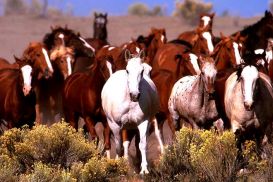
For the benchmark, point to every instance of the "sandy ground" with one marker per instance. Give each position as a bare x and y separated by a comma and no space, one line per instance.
17,31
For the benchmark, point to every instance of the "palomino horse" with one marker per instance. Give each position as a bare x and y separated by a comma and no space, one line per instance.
190,99
227,53
153,42
205,23
50,102
99,31
82,98
83,51
17,101
249,103
131,104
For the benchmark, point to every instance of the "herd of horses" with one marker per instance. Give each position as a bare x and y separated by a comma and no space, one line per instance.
197,80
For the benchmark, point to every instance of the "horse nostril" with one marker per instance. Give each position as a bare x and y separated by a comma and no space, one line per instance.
134,97
248,106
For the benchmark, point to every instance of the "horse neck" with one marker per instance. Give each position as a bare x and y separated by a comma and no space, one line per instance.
202,93
222,60
101,34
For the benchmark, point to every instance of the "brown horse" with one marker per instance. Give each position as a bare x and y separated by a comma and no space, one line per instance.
50,104
227,53
99,31
17,100
82,98
205,23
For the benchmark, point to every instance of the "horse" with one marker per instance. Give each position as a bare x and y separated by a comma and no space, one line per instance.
249,103
131,104
227,53
81,97
83,51
205,23
17,99
155,39
50,103
99,31
258,33
191,101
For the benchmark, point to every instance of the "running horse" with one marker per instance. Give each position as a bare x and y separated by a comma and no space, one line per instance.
132,104
50,104
99,31
82,98
249,103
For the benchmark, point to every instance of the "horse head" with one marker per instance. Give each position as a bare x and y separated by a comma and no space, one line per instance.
62,59
100,22
206,20
208,72
36,55
158,37
135,70
202,42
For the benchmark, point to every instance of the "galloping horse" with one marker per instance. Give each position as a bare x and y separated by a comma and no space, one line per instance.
190,98
131,104
50,102
99,32
249,103
17,101
82,98
83,52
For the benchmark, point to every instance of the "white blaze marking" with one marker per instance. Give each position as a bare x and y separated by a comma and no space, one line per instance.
237,54
206,20
207,36
69,67
26,71
137,49
193,60
259,51
162,38
250,75
111,48
268,56
109,66
87,45
47,60
61,36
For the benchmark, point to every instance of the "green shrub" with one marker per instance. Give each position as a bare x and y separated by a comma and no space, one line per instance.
141,9
191,9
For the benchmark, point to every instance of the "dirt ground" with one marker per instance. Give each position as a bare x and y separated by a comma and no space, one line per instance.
17,31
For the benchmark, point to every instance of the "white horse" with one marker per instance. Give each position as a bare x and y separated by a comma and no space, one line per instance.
190,98
249,103
130,100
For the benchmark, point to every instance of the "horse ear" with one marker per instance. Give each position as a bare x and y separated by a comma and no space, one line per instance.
212,15
95,14
237,36
222,35
105,15
127,55
17,60
142,54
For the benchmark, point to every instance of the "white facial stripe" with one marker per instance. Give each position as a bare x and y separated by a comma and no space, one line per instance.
249,75
206,20
237,54
137,49
69,67
61,36
111,48
26,72
48,62
207,36
109,66
268,56
86,44
193,60
162,38
259,51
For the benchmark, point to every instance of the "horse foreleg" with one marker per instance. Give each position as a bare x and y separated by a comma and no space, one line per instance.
143,127
38,114
89,122
107,142
125,142
158,135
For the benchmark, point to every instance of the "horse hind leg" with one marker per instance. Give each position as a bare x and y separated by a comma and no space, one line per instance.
158,136
107,142
89,123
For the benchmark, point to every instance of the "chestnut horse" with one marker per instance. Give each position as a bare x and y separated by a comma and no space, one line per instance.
50,104
17,100
99,31
82,98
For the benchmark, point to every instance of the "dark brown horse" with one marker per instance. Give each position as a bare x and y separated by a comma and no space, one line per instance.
17,99
99,31
50,102
84,52
82,98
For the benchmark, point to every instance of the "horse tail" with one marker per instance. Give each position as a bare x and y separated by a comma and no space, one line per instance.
178,58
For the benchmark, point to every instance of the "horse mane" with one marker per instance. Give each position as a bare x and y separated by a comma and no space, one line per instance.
181,42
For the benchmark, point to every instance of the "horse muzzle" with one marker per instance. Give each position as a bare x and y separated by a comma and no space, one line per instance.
248,105
134,97
48,73
26,89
